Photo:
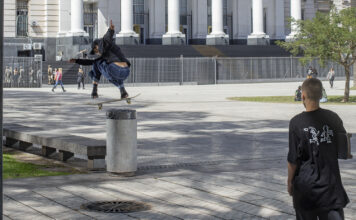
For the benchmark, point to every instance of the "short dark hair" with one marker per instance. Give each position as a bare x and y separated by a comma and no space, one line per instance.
313,89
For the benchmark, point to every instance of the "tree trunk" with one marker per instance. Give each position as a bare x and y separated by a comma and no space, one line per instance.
347,84
354,71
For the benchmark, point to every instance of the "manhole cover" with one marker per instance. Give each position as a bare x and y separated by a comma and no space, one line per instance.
116,206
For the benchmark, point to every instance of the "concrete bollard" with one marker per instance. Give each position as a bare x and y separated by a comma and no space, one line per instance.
121,141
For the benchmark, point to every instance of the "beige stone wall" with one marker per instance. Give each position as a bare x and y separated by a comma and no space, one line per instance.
9,18
46,14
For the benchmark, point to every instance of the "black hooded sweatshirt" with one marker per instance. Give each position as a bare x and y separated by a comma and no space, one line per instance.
110,52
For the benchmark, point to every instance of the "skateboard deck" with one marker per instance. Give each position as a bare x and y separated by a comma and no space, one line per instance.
100,104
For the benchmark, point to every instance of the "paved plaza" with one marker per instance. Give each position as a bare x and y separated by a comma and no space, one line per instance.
200,156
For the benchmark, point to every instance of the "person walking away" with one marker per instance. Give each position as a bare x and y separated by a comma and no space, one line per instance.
81,77
31,77
314,179
58,78
15,77
38,77
111,63
331,77
50,75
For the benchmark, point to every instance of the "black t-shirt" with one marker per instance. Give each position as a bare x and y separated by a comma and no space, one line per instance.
319,127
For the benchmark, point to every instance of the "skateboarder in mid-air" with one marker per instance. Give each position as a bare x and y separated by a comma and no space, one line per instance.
111,63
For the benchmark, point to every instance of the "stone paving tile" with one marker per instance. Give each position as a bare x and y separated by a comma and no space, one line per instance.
4,217
96,194
235,177
189,208
158,204
18,211
238,205
44,205
210,201
350,213
276,205
251,209
74,202
99,193
235,188
159,210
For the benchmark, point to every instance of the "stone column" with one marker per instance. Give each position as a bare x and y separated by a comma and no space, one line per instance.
296,14
217,36
127,36
75,39
77,19
173,36
235,21
258,36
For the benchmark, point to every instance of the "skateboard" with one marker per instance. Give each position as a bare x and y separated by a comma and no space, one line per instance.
100,104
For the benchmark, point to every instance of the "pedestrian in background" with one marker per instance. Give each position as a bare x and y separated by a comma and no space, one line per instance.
81,77
21,76
7,76
15,77
50,75
331,77
58,78
310,72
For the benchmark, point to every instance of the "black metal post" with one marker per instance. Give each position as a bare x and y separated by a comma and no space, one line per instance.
1,100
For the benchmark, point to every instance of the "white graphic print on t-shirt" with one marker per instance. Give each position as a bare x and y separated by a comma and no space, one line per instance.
318,137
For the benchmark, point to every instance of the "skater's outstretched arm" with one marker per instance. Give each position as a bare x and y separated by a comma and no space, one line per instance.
84,62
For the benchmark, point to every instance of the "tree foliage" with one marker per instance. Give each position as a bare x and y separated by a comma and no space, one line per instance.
328,37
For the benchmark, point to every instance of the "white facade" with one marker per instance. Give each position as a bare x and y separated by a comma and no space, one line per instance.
150,20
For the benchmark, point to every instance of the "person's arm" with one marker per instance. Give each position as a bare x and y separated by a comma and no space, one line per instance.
84,62
108,37
291,173
293,155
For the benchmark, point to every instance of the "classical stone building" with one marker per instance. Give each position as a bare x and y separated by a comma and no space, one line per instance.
59,29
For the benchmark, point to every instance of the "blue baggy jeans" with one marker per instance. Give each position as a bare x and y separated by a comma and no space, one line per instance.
112,72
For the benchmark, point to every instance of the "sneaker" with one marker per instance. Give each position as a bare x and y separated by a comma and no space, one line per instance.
124,94
52,89
94,93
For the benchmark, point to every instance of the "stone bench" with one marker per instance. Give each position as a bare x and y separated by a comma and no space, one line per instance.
67,145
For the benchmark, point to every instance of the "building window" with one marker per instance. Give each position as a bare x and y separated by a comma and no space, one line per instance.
21,18
139,11
91,21
183,12
225,12
265,20
209,14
